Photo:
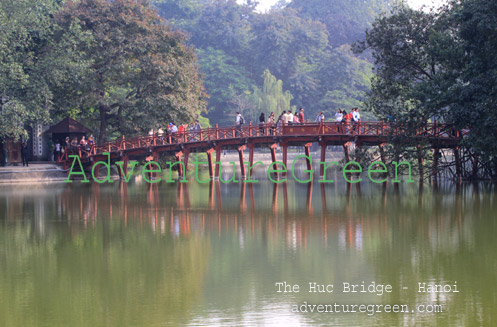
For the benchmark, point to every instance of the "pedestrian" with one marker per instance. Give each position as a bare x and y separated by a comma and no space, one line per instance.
285,118
271,123
356,118
181,132
74,143
174,131
91,140
239,121
198,127
290,118
57,150
320,117
301,116
296,119
151,134
82,143
262,122
339,115
345,122
24,154
160,134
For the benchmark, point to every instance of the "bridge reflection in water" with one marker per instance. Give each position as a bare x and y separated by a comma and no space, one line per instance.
234,242
289,208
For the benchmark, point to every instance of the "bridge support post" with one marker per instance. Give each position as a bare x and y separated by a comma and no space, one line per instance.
185,160
155,158
420,163
457,159
211,165
273,156
323,160
218,161
125,160
346,155
346,152
178,156
240,157
307,149
284,148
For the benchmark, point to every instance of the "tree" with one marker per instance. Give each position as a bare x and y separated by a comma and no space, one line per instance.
271,98
140,73
26,30
470,89
345,20
223,77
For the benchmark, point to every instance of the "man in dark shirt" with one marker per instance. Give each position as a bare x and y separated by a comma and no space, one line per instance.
24,154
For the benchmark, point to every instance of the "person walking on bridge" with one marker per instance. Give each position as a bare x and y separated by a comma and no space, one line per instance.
262,121
239,121
301,116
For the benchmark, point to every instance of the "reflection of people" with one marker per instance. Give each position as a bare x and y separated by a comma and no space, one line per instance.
24,154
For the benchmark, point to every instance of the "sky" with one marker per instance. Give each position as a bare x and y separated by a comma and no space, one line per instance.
266,4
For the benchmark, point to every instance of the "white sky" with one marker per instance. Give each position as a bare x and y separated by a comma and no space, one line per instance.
266,4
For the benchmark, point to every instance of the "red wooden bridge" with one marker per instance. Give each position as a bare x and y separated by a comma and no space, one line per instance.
248,137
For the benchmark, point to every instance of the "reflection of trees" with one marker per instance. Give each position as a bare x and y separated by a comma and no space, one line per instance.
141,254
107,274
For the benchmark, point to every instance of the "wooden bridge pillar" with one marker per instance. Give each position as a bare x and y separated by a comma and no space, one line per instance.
211,165
346,152
185,159
240,157
307,149
420,163
273,156
284,148
218,160
124,170
309,207
178,156
323,159
251,154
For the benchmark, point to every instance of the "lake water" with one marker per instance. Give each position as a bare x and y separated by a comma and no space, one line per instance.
212,254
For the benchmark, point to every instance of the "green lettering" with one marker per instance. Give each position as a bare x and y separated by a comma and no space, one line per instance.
396,180
82,172
123,173
324,180
146,171
305,171
352,171
370,171
271,170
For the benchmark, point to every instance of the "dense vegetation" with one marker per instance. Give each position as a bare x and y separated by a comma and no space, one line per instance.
439,66
121,68
114,64
304,46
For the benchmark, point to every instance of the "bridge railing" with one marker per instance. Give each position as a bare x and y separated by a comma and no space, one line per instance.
430,130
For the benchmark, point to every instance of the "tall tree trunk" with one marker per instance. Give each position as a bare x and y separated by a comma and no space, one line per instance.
103,122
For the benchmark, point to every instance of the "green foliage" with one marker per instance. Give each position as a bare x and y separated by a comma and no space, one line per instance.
223,79
300,43
271,98
140,73
345,20
25,96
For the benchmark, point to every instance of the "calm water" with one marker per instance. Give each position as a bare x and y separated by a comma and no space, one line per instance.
210,254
